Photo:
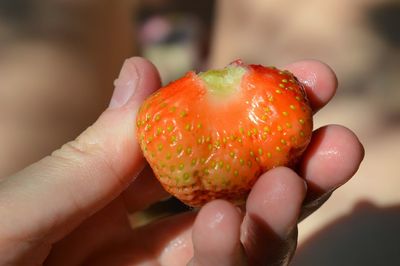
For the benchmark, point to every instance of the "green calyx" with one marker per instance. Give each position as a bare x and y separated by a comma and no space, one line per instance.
223,82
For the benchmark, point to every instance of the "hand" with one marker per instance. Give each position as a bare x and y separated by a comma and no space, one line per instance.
71,207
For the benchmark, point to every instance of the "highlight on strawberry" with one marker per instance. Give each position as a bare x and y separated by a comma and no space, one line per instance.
210,135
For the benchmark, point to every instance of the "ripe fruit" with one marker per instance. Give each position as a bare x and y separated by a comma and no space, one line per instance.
211,135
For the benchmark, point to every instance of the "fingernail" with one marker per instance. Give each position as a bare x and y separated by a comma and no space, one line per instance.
125,85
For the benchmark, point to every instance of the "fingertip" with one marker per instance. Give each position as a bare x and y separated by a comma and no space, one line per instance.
319,80
216,221
149,78
269,229
216,234
276,198
332,158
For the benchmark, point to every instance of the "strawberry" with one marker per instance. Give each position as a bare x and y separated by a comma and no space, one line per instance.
211,135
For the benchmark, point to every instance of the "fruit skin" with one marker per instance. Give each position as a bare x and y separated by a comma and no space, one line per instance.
211,135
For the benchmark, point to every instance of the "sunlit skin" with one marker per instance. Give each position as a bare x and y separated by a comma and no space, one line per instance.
71,207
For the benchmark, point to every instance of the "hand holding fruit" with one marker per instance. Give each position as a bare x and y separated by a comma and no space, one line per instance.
71,207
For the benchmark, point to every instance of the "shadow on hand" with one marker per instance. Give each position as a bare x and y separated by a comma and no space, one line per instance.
367,236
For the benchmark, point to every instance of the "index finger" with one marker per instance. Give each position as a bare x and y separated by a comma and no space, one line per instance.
319,81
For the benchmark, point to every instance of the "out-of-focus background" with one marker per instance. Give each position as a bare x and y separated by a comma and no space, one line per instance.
58,60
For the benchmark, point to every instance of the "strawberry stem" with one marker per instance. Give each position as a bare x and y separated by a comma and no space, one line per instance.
225,81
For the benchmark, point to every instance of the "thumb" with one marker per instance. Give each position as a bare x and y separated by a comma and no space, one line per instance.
54,195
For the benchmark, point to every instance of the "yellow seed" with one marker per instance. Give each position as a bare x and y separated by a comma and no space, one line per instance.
213,164
278,148
284,80
264,136
185,176
281,85
260,151
278,91
301,121
270,98
188,127
241,130
170,128
228,167
302,133
183,113
159,130
257,159
188,150
288,125
283,141
179,149
172,109
255,131
249,133
279,128
209,146
221,164
172,168
168,156
249,163
181,166
147,117
232,154
292,107
266,109
199,125
292,80
208,139
194,161
236,173
240,140
173,138
200,140
269,155
160,147
290,88
202,160
157,117
241,161
298,98
251,153
217,144
266,129
224,140
285,113
264,117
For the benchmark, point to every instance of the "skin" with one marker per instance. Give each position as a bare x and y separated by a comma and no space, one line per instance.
71,207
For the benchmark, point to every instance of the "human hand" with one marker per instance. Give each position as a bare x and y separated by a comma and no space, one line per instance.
71,207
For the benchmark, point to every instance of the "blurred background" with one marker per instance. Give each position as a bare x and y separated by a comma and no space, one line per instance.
58,60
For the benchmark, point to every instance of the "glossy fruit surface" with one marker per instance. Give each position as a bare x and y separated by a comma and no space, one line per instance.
211,135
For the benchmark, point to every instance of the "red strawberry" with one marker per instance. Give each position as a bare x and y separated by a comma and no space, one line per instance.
211,135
